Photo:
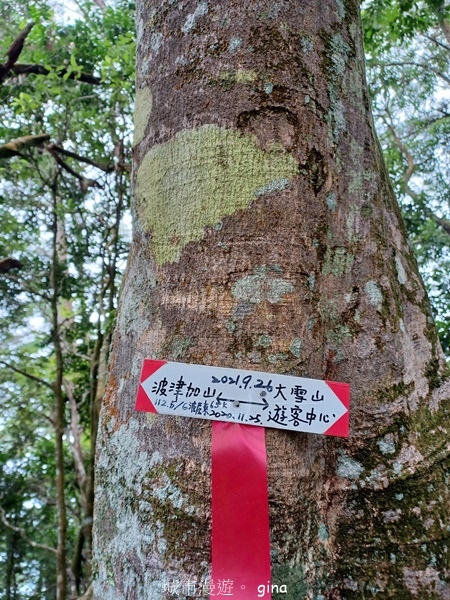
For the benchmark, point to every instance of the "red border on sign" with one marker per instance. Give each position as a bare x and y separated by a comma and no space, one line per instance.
342,391
143,402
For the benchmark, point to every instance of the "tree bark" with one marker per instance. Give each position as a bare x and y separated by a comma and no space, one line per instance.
59,411
267,237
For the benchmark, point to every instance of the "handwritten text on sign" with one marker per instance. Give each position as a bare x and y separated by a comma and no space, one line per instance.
251,397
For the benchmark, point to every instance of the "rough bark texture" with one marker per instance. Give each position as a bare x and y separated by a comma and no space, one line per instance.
266,236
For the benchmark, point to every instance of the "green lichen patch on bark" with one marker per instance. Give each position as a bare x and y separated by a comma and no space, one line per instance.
146,503
175,347
338,261
142,112
396,533
265,341
331,201
432,430
241,76
197,178
169,506
293,578
257,288
296,347
200,11
401,273
374,293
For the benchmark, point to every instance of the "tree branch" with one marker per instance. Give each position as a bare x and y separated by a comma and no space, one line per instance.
406,153
85,183
88,161
25,69
14,52
75,447
22,533
444,223
413,64
101,166
28,375
15,147
437,42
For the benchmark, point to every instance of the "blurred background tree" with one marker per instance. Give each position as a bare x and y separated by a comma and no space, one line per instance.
66,102
408,59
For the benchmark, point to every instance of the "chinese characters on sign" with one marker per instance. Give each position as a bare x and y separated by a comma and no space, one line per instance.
250,397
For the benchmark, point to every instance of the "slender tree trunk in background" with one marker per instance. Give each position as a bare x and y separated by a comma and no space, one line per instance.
10,564
59,414
267,237
83,555
98,374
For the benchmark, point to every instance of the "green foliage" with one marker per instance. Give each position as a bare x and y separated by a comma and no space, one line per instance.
408,52
64,216
391,22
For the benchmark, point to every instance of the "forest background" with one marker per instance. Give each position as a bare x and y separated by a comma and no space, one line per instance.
66,104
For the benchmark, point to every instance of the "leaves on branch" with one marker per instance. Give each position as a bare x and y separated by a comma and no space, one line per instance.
22,69
15,51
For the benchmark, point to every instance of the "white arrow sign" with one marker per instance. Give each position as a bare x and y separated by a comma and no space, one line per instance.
250,397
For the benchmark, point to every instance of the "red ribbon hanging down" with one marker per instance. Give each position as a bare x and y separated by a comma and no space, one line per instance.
240,510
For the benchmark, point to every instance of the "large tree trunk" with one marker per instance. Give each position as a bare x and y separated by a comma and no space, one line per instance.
267,237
